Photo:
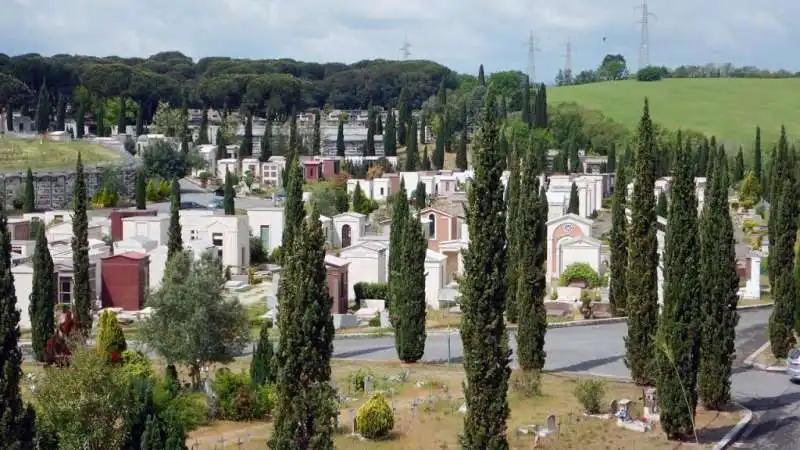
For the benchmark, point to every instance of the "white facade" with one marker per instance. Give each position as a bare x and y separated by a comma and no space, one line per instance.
209,154
227,165
271,172
381,189
23,284
556,205
152,227
266,223
564,230
582,249
367,263
230,235
63,232
752,290
138,244
348,229
434,277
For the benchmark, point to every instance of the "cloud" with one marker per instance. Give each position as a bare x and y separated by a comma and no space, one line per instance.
459,33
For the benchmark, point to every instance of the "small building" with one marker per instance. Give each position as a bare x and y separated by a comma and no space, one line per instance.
19,229
337,282
125,280
116,220
368,261
312,170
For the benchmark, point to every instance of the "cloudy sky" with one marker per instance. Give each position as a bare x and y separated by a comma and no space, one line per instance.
459,33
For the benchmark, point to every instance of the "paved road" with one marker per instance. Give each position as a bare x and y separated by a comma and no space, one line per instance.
191,192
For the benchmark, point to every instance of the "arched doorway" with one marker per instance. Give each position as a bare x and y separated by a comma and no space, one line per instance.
345,236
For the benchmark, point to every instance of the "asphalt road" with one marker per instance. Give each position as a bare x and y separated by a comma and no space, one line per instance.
191,192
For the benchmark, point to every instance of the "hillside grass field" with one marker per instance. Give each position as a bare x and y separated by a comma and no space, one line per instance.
728,108
19,154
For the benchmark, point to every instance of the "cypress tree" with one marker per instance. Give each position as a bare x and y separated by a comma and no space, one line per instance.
527,114
662,205
371,130
540,119
222,151
293,209
412,152
678,340
757,155
43,108
202,137
246,147
316,142
516,235
61,112
8,111
420,196
80,253
174,234
461,151
121,119
17,427
779,170
483,330
140,119
261,370
718,296
611,165
423,125
738,166
618,261
359,199
404,120
531,281
228,201
426,161
379,125
574,161
41,298
642,286
305,407
784,292
141,189
390,135
438,153
574,201
80,119
481,76
340,149
29,198
407,282
266,141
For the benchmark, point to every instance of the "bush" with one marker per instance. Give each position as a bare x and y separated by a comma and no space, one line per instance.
238,400
371,291
375,418
650,73
110,338
580,272
190,410
748,225
136,364
375,321
586,305
527,383
356,379
590,393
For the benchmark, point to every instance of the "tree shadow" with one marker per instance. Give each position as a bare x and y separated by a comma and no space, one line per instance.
361,352
586,366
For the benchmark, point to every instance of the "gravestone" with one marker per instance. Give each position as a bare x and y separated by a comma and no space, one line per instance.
368,385
353,419
624,411
551,422
651,410
614,407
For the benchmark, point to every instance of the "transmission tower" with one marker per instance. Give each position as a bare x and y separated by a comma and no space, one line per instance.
644,40
406,48
568,60
533,47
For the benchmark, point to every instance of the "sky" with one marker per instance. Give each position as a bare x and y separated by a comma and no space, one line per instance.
458,33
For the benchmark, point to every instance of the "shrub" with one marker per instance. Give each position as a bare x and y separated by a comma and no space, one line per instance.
590,393
190,410
586,305
554,295
748,225
238,400
136,364
650,73
580,272
527,383
375,321
371,291
356,379
375,418
110,338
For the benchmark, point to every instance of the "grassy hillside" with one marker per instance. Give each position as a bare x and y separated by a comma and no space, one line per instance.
19,154
729,108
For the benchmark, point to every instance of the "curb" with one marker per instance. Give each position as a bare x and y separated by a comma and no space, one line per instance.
750,361
737,430
761,306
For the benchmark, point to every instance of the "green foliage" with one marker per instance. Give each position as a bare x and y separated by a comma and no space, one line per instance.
662,205
80,252
390,135
29,197
162,160
293,209
189,300
41,298
229,198
174,233
650,73
514,232
618,263
141,190
420,197
261,366
527,383
157,190
590,392
412,162
375,419
579,272
356,379
361,203
574,200
136,364
110,338
784,290
239,399
370,291
750,191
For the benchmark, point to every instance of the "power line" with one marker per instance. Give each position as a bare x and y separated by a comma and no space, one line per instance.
406,48
568,59
644,39
532,49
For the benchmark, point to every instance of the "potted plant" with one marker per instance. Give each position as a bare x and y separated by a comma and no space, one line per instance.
204,177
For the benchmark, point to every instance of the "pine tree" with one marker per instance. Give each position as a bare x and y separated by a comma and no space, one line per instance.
611,165
61,112
246,147
174,234
426,161
228,201
662,205
678,342
266,141
141,189
481,76
531,282
293,209
43,109
305,407
407,281
718,297
574,205
437,161
618,264
261,370
412,152
642,304
390,135
17,427
404,120
29,196
483,330
527,114
222,151
202,138
340,149
784,292
80,253
41,298
420,196
516,237
757,155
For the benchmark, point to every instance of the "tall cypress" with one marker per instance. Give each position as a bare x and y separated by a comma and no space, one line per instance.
61,112
426,160
228,201
423,125
412,152
718,296
407,282
527,114
266,141
677,340
781,255
261,369
483,330
420,196
175,232
305,401
293,209
540,119
516,236
481,76
80,253
222,151
43,109
370,148
611,164
379,125
404,120
738,167
42,295
642,285
437,161
8,111
662,205
757,155
202,137
121,117
531,282
29,198
140,119
340,149
316,143
779,171
574,205
390,135
17,427
141,189
246,146
461,151
618,261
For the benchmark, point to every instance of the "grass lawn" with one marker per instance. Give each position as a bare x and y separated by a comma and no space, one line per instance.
436,425
729,108
449,158
19,154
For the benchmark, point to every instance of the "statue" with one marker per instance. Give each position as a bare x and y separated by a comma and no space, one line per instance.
57,351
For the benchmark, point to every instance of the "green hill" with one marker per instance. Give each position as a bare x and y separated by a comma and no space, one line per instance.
729,108
19,154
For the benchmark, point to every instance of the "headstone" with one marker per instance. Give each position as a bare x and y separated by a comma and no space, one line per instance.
624,411
385,322
614,407
368,385
353,419
551,422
